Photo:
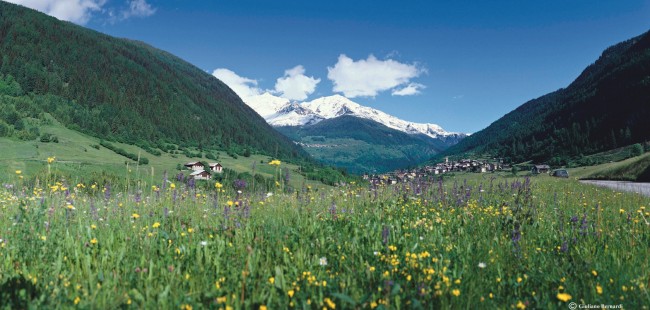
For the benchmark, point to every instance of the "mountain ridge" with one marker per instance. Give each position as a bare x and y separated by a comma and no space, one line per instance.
126,90
605,107
281,112
362,145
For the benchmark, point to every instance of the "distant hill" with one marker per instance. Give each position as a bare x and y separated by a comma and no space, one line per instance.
362,145
606,107
341,132
119,89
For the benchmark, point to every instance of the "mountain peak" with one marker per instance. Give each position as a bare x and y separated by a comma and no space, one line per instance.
281,112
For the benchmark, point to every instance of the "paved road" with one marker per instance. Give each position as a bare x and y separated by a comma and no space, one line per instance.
641,188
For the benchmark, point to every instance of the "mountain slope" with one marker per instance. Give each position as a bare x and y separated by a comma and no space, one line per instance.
607,106
126,90
280,112
339,131
362,145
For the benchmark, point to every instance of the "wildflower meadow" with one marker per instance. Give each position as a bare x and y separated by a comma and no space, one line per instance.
469,241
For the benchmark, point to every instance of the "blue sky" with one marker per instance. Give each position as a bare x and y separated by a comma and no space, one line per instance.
459,64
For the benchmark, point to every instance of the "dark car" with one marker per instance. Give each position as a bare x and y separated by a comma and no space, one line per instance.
560,173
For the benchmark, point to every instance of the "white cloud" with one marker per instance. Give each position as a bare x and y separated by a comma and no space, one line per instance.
368,77
138,8
408,90
242,86
295,85
80,11
76,11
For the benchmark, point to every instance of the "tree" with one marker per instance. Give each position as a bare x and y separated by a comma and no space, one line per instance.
637,149
515,170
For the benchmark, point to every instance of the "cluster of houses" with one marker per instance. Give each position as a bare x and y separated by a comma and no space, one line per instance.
199,171
466,165
463,165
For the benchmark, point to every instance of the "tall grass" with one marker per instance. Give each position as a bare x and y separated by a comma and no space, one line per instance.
468,242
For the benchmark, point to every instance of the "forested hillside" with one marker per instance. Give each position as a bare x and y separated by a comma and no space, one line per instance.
119,89
361,145
606,107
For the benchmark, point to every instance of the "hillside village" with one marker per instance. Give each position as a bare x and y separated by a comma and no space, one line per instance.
201,172
463,165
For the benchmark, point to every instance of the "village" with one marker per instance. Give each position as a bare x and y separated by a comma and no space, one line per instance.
448,166
463,165
202,172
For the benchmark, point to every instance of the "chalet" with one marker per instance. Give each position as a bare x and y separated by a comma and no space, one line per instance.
537,169
196,166
200,175
216,167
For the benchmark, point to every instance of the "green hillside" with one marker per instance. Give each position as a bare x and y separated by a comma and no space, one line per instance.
81,158
361,145
606,107
120,89
632,169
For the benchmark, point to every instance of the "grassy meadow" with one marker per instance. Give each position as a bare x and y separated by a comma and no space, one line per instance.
79,160
469,241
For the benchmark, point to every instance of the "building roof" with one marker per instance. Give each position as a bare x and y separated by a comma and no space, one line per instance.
197,172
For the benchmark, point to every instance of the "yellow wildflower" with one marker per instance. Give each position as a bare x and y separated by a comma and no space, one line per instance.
455,292
155,225
563,297
329,303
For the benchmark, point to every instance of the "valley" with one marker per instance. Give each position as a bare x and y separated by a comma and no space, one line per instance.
237,155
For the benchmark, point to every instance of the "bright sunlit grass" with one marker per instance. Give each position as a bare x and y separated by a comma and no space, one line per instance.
473,241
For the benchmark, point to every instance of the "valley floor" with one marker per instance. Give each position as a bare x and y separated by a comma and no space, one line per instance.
464,242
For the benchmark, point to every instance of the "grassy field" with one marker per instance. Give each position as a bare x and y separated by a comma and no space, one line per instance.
77,157
631,169
470,241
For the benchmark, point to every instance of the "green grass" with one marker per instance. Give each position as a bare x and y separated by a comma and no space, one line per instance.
419,245
76,157
631,169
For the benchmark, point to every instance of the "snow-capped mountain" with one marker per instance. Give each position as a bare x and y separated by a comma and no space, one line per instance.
293,114
280,112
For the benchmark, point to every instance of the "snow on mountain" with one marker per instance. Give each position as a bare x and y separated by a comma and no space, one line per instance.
293,114
266,104
280,112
